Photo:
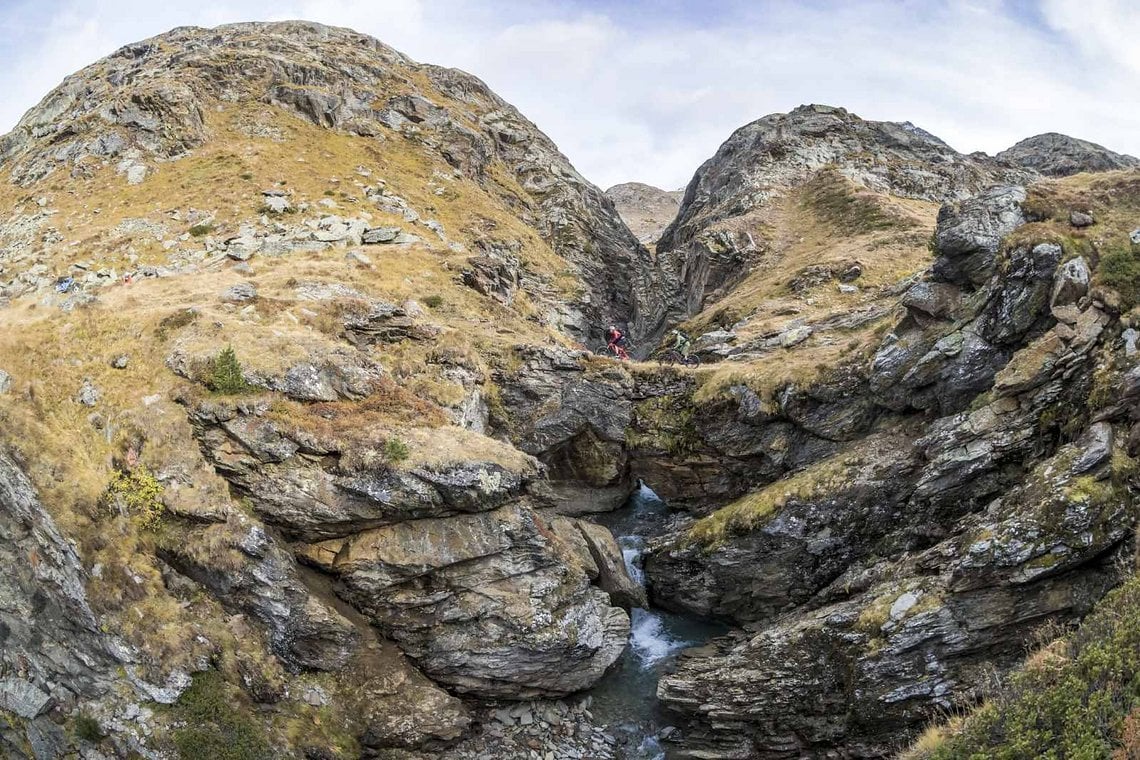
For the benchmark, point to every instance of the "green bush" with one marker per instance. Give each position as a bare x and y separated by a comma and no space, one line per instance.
86,728
217,723
1074,700
136,493
198,230
433,301
1119,269
225,375
396,450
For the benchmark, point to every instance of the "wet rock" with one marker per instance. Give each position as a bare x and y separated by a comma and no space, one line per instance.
601,559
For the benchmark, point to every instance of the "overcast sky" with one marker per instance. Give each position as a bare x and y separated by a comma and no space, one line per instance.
646,91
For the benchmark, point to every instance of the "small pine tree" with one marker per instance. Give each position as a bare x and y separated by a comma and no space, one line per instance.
226,374
396,450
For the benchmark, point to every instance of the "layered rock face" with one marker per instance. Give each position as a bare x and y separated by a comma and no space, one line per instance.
54,654
1057,155
151,101
718,231
452,562
880,581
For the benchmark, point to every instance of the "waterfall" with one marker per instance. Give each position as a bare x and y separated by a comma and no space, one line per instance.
626,700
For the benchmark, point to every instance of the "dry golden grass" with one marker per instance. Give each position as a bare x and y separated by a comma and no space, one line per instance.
72,450
888,236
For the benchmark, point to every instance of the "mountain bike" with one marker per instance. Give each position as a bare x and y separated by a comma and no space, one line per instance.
618,352
673,356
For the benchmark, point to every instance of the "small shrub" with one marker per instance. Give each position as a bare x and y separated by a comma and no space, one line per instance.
218,723
225,375
247,176
135,493
1120,270
198,230
87,728
433,301
396,450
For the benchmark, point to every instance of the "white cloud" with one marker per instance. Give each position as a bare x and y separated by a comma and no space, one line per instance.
632,93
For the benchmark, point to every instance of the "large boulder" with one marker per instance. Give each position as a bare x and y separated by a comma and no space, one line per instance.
485,603
969,233
305,484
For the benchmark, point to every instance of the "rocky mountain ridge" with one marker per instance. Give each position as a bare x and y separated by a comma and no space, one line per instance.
645,209
1057,155
293,382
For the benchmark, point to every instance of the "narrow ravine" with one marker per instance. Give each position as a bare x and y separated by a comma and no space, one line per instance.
626,699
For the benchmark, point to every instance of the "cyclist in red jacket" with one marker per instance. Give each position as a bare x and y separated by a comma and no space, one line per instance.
616,342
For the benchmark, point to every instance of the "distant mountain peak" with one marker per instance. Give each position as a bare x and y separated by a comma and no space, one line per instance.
1058,155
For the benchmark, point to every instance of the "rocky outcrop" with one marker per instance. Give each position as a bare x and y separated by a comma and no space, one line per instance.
574,421
645,209
860,671
711,243
303,631
312,487
485,603
881,578
450,561
55,658
1057,155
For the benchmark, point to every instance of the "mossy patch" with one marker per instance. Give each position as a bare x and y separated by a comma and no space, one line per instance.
757,508
847,207
665,423
136,494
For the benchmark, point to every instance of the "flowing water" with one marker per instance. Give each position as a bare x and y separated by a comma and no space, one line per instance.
626,699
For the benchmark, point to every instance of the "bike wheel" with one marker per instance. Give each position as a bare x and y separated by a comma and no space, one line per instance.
692,361
603,350
671,357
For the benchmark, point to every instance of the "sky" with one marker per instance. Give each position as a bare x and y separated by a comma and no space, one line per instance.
646,91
